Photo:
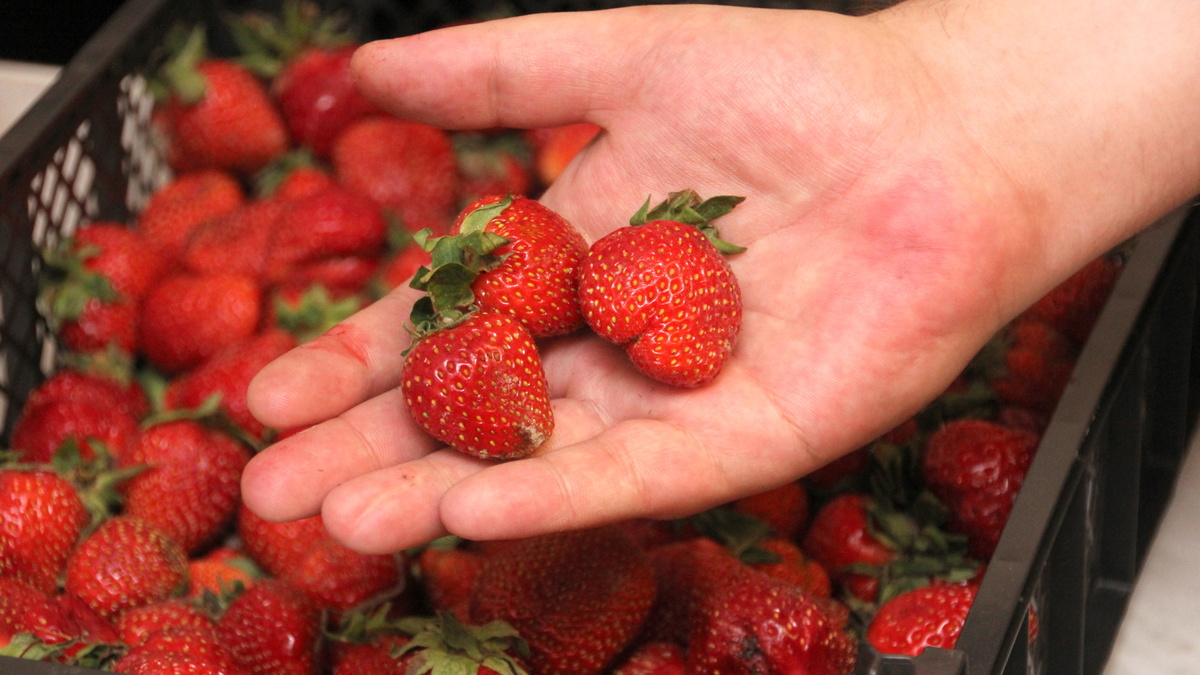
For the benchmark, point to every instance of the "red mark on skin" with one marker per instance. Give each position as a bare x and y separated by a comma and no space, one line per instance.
343,339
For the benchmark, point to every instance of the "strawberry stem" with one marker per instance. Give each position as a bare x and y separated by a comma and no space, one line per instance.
688,208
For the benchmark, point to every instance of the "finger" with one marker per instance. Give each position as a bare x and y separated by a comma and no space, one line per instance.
291,478
357,359
535,70
398,507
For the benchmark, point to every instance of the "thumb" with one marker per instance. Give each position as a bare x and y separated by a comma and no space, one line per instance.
521,72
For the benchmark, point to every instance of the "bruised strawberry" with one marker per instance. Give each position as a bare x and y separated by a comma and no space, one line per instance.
662,289
216,572
577,598
479,387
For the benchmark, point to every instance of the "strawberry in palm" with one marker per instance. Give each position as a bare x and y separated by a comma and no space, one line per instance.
477,384
663,290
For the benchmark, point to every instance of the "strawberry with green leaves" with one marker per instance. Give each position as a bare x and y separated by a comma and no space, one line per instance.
55,627
214,112
478,385
663,290
577,598
98,429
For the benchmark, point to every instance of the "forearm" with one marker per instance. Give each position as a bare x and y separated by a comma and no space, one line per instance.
1090,108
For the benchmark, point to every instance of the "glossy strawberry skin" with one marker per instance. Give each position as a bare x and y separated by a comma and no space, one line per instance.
318,98
840,536
43,518
538,281
192,484
976,468
479,387
931,616
272,629
667,295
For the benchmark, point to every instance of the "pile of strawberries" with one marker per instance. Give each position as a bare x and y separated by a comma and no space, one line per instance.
125,547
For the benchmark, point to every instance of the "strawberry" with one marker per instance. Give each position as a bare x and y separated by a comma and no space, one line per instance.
181,205
479,386
227,374
342,276
183,649
94,282
443,645
654,658
493,164
272,628
371,658
976,468
783,508
94,383
447,573
97,428
1027,364
215,113
47,626
843,540
136,625
306,55
277,547
328,223
188,317
398,268
664,291
43,517
527,270
218,570
306,311
577,598
735,619
125,563
407,167
238,242
931,616
555,147
1073,306
299,176
191,485
791,565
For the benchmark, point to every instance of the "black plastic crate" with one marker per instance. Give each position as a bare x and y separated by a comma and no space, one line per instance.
1058,585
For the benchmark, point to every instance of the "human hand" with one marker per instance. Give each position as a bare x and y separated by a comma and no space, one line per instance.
885,245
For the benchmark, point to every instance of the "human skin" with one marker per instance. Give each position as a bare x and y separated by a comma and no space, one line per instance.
913,179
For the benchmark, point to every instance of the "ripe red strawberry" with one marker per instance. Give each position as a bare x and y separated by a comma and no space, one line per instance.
191,485
215,113
737,620
187,318
218,570
43,517
976,468
790,564
227,374
664,291
842,539
329,223
1074,305
94,282
42,429
125,563
46,626
164,662
136,625
555,147
654,658
528,271
1028,364
932,616
298,181
406,167
445,645
447,574
577,598
318,97
342,276
277,546
177,208
479,387
784,508
95,384
238,242
398,268
272,628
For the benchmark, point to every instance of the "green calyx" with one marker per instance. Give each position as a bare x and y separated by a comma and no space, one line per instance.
689,208
268,41
455,262
443,644
178,74
68,284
